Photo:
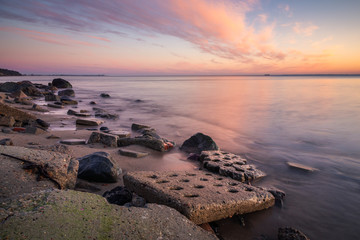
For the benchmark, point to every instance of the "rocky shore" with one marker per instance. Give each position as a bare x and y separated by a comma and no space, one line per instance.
95,182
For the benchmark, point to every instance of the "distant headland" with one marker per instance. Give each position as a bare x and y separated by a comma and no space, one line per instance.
7,72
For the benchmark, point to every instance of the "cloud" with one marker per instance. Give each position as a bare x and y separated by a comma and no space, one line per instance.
285,9
305,29
47,37
215,27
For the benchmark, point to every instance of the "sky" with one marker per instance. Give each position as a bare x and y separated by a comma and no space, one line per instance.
150,37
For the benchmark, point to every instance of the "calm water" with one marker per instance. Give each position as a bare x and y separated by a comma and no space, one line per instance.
270,120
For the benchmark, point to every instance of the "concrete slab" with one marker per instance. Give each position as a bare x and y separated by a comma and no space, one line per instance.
199,195
230,165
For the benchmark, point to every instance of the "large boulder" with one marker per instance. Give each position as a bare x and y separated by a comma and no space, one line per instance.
60,168
9,87
198,143
78,215
17,114
98,167
61,83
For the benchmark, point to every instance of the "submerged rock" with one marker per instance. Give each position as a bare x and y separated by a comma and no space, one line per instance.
61,83
73,141
67,92
104,95
198,143
98,167
289,233
132,153
89,122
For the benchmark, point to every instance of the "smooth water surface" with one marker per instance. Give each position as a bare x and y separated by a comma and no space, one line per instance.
270,120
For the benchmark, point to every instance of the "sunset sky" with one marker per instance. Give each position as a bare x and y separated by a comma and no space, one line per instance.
121,37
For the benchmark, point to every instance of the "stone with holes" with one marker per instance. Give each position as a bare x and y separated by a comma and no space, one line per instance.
230,165
199,195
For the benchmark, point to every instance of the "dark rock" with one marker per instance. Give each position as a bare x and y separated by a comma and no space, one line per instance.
71,112
61,83
93,103
161,145
119,196
67,100
104,138
9,87
289,233
198,143
104,95
104,129
52,97
36,107
42,123
67,92
34,130
6,142
137,127
98,167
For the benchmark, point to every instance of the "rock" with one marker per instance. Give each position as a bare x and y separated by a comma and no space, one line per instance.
24,101
104,129
104,114
82,114
42,123
7,121
98,167
67,92
71,112
230,165
199,195
104,95
93,103
36,107
198,143
61,83
301,167
52,137
289,233
137,127
6,142
148,139
89,122
34,130
82,184
121,134
9,87
138,201
68,101
193,157
73,141
52,97
119,196
78,215
17,114
6,130
131,153
104,138
18,94
61,168
55,105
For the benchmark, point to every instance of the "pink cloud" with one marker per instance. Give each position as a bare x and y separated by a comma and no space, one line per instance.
216,27
46,37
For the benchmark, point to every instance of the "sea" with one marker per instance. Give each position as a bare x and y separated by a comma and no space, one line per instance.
269,120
